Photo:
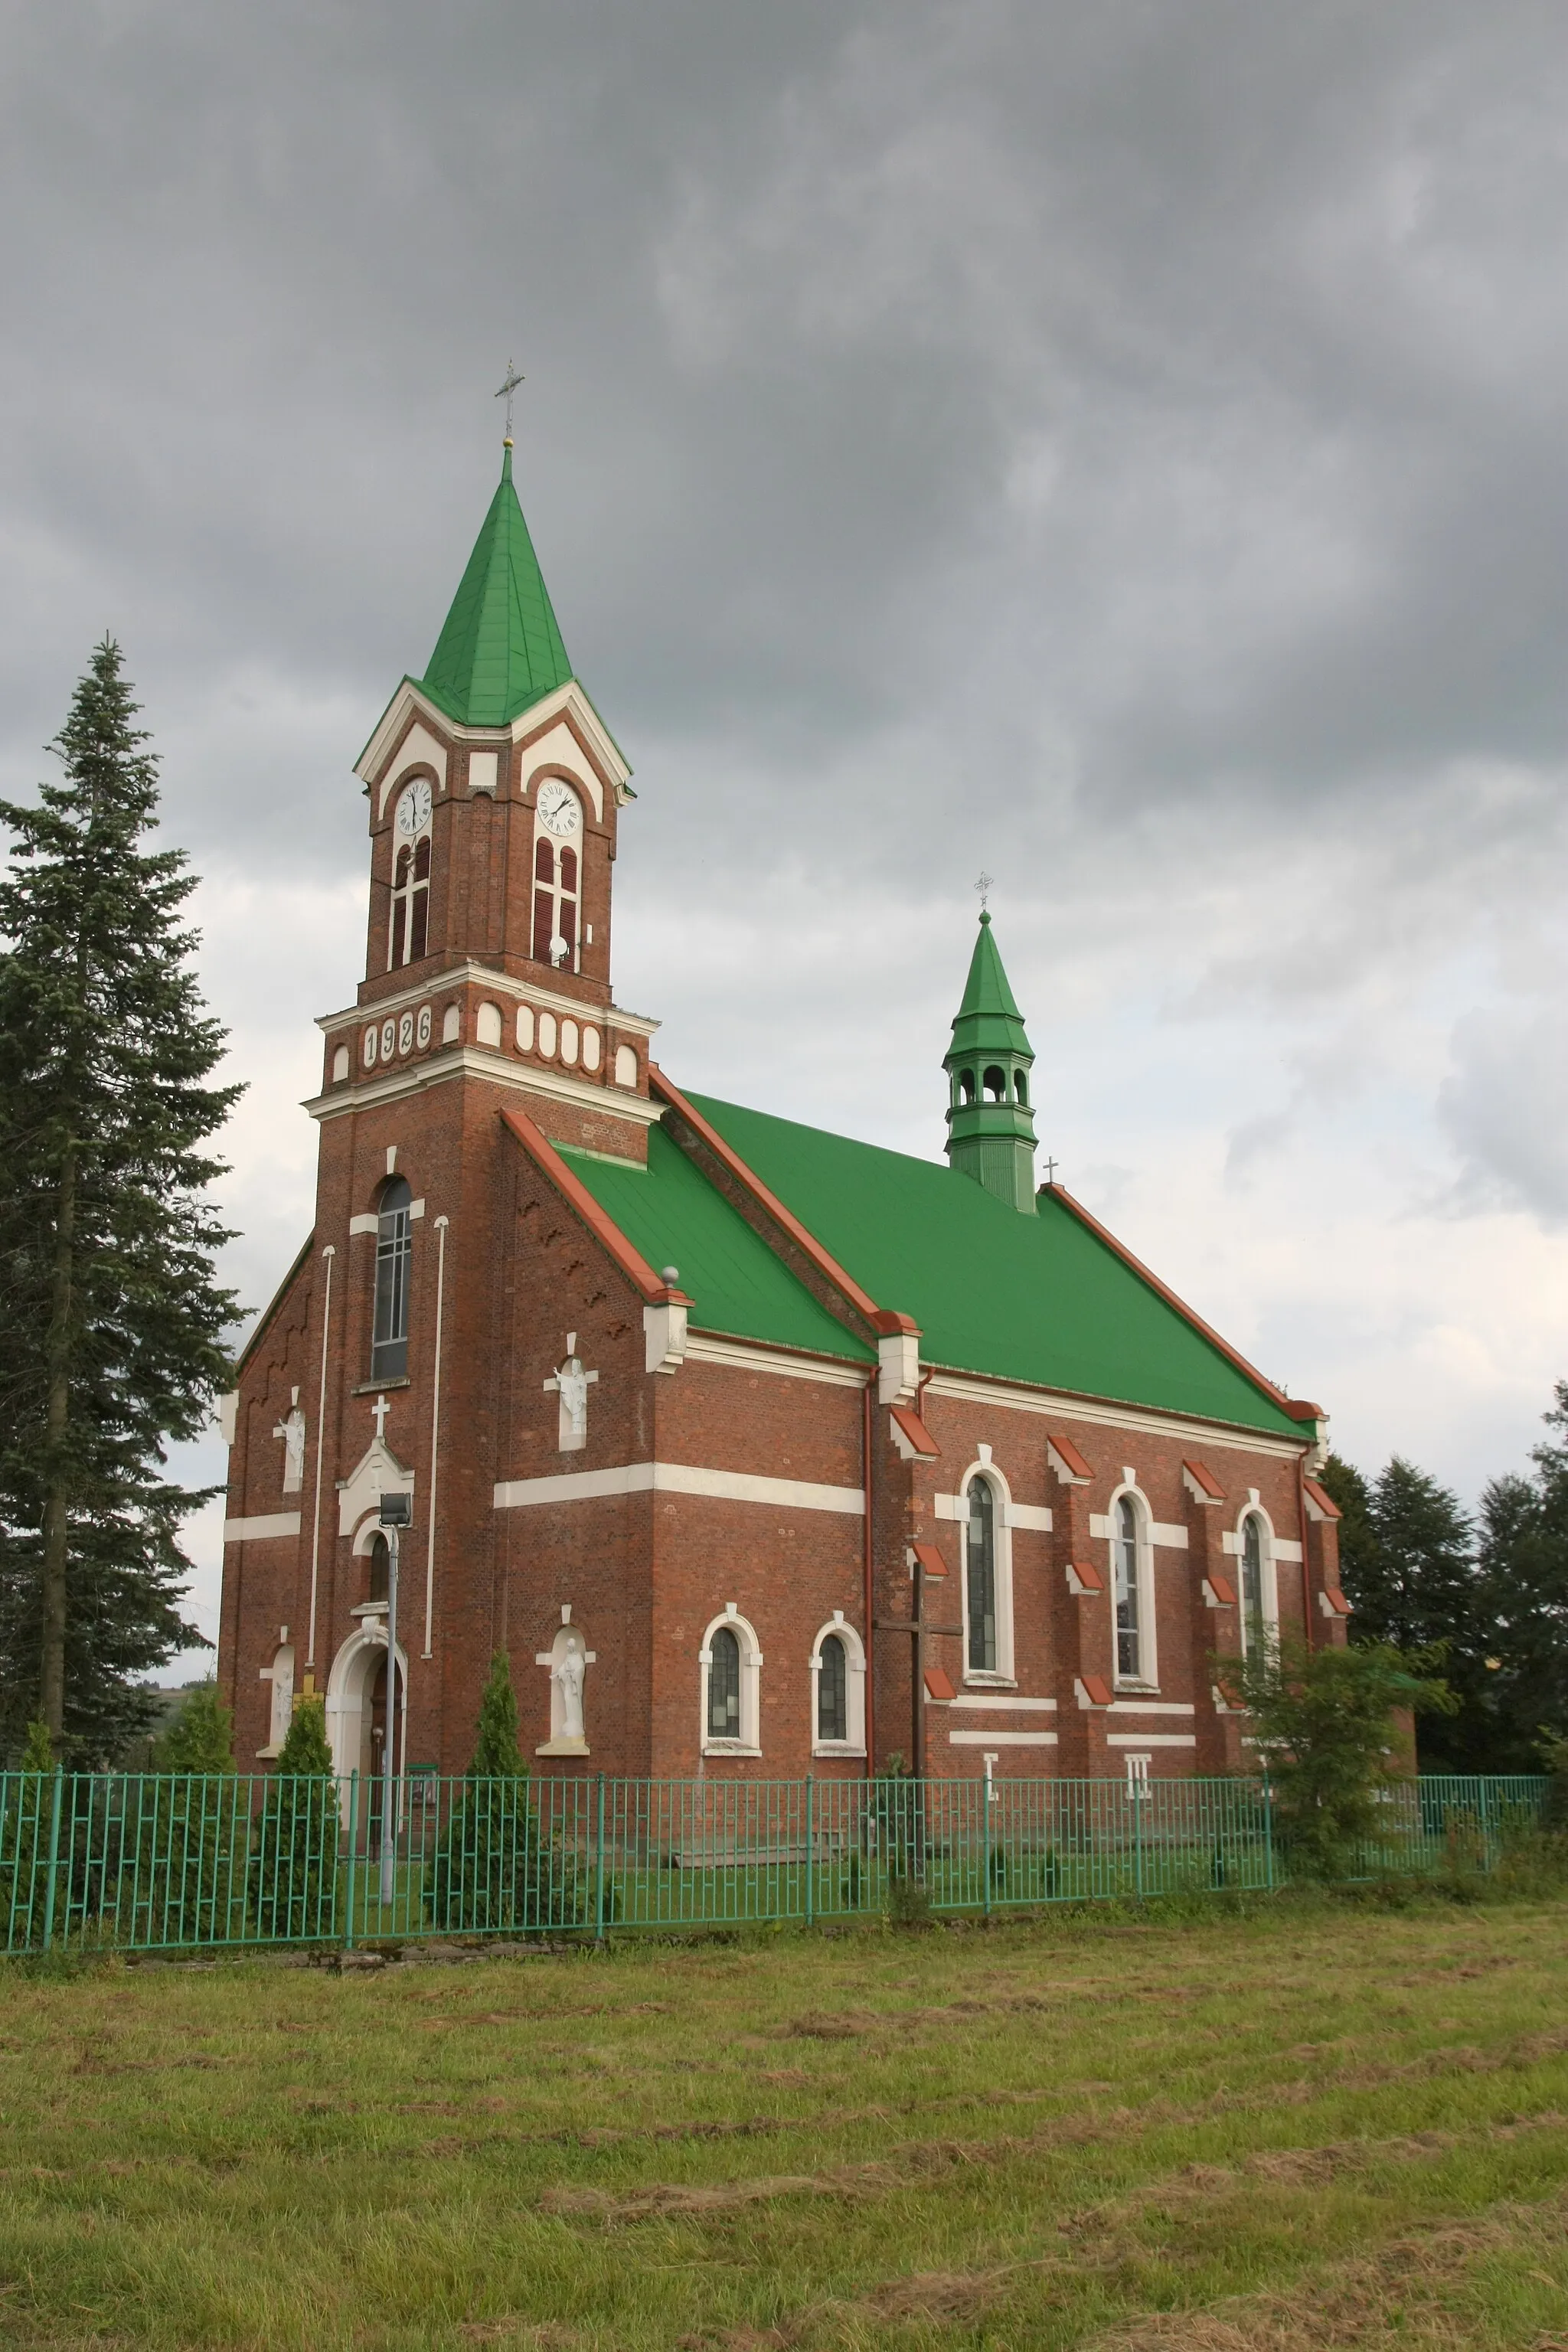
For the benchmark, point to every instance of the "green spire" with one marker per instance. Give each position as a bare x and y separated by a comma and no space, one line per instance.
500,649
989,1124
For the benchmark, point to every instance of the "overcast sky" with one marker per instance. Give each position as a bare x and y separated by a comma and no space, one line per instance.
1120,446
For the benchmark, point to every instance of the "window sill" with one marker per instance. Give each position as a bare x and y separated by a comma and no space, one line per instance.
836,1747
978,1681
370,1609
370,1388
1137,1690
729,1748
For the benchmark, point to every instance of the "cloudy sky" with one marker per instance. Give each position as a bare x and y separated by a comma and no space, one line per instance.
1121,448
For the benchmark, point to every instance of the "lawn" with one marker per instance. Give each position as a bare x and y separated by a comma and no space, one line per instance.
1307,2124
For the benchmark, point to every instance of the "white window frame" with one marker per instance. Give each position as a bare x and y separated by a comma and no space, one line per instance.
559,895
1148,1678
855,1690
750,1742
1001,1675
1251,1511
406,895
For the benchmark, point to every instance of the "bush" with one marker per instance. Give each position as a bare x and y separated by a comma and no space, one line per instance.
190,1844
494,1867
294,1854
28,1803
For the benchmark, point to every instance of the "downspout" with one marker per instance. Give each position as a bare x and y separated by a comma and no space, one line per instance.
434,1437
1306,1572
866,1433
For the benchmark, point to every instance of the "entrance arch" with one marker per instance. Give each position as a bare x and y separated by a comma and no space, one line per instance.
355,1705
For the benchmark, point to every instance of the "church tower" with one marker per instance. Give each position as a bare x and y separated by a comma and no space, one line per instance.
989,1121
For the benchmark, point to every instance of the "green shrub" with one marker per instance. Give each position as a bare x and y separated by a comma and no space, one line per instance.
190,1841
28,1803
294,1851
493,1866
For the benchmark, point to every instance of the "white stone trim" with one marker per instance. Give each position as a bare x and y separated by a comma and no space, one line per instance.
678,1478
1151,1706
1233,1542
1148,1675
1150,1739
995,1739
1001,1529
1015,1398
263,1529
1018,1706
1161,1535
529,724
730,1620
483,1062
418,748
504,983
702,1348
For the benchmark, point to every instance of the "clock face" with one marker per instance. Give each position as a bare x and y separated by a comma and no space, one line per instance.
558,810
414,808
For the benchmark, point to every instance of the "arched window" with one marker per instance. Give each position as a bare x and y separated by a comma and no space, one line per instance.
833,1688
980,1573
1129,1592
996,1084
380,1568
1020,1087
1254,1610
411,903
724,1684
393,1260
555,897
966,1086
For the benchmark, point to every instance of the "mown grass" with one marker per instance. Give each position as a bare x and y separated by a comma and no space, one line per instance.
1288,2126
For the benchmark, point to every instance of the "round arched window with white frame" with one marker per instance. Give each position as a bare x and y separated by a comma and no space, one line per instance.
730,1665
1258,1605
1132,1586
411,822
557,875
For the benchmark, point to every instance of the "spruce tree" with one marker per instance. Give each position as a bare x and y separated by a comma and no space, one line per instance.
294,1859
194,1833
494,1865
112,1339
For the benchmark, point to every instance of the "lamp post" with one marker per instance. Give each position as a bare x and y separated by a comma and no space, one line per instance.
395,1514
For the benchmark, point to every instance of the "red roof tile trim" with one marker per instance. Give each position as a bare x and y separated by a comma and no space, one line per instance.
603,1227
916,1432
1222,1587
1072,1459
930,1559
938,1684
1205,1480
883,1319
1090,1578
1336,1601
1095,1689
1296,1407
1326,1506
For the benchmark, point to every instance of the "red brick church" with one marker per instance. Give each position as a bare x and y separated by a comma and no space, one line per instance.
759,1450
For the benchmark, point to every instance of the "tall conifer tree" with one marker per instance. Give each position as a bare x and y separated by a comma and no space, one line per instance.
112,1338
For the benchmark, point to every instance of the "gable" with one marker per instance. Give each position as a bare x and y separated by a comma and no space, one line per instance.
737,1285
1040,1299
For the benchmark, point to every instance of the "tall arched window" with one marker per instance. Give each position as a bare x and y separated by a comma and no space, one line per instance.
394,1257
411,903
724,1684
833,1688
555,904
1129,1598
1254,1617
380,1569
980,1568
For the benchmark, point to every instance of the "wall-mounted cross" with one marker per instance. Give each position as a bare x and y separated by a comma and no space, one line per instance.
379,1412
921,1629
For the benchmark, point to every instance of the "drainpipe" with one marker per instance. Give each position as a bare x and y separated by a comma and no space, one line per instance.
865,1434
330,1253
435,1438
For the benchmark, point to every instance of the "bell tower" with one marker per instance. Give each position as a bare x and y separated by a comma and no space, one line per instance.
990,1118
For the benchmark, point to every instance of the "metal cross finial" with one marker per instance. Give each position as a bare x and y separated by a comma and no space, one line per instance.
379,1412
1050,1171
513,378
986,885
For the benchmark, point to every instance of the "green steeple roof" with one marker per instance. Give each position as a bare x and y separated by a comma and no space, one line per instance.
500,649
988,1020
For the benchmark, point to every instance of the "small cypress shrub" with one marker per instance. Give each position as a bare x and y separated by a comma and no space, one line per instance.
294,1852
25,1843
193,1835
493,1866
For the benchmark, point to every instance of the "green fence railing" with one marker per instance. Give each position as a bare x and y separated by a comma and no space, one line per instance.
150,1861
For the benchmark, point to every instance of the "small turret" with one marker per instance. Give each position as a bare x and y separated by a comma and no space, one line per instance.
989,1121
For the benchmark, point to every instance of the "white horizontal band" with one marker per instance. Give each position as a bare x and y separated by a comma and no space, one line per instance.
1150,1739
678,1478
1002,1739
258,1530
966,1698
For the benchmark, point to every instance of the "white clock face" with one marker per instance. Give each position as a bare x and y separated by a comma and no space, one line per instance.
414,808
558,810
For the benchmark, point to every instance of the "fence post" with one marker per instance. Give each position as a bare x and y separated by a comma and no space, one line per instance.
986,1802
1139,1800
599,1864
810,1851
353,1834
1268,1833
54,1860
1485,1830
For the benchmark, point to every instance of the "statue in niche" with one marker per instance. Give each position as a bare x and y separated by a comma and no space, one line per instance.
567,1660
571,1383
291,1430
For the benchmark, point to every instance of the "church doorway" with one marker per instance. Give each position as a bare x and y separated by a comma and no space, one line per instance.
356,1716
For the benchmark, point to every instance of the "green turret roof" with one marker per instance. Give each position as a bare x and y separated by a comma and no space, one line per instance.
988,1020
500,649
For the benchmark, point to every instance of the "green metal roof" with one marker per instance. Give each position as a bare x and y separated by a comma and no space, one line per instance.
1040,1299
988,1019
734,1281
500,649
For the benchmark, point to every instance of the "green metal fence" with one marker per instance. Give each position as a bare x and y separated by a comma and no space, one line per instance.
145,1862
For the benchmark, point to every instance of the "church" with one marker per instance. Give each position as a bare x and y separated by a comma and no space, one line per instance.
758,1451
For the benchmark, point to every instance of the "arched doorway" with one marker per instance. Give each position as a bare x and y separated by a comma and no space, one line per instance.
356,1713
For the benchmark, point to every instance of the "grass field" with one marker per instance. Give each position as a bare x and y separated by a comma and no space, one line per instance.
1312,2126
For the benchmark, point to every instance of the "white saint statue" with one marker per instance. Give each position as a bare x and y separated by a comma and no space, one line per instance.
573,1383
568,1675
291,1430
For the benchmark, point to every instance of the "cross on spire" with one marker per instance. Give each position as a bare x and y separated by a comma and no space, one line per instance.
986,885
513,378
